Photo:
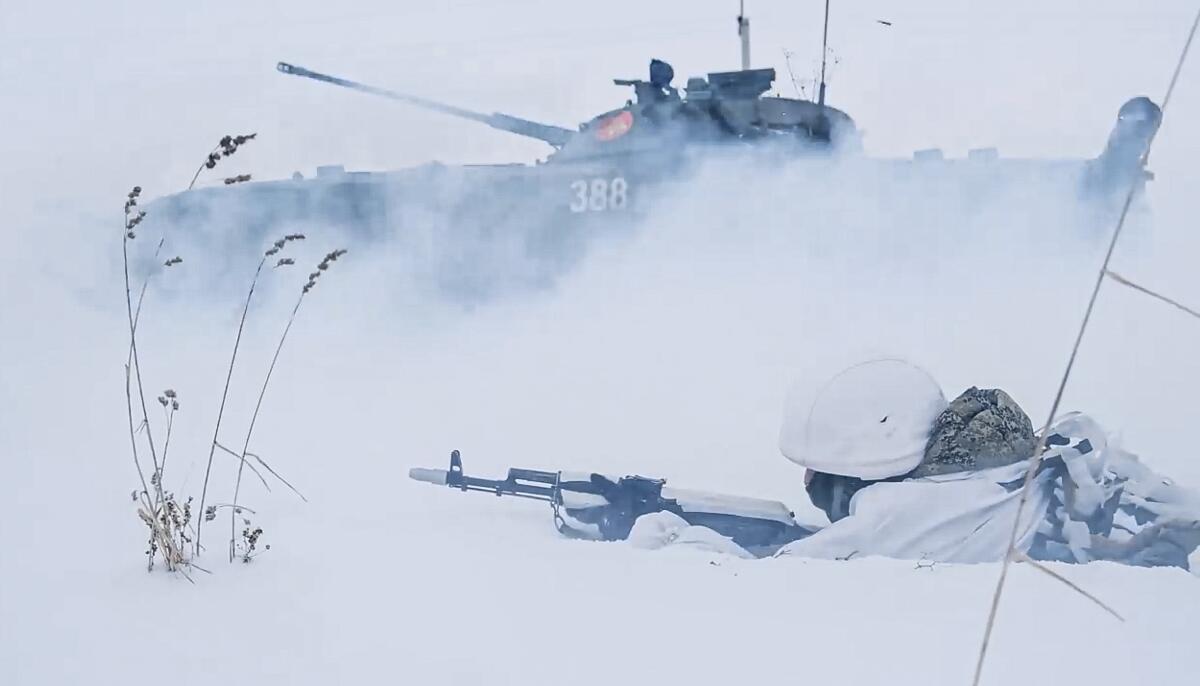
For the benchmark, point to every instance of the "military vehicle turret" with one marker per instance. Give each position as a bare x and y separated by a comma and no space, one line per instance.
474,222
724,108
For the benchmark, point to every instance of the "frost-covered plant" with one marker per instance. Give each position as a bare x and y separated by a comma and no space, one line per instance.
247,549
151,511
173,538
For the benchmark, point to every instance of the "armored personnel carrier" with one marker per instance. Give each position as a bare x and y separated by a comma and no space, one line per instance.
478,223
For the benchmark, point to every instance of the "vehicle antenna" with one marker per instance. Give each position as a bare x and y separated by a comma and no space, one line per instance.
787,59
744,33
824,54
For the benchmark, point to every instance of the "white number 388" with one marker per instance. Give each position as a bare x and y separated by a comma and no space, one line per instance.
599,194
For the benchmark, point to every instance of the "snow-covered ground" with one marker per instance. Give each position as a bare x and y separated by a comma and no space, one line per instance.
668,354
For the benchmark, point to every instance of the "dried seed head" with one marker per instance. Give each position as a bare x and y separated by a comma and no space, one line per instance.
162,401
322,267
170,393
284,261
135,219
175,407
173,261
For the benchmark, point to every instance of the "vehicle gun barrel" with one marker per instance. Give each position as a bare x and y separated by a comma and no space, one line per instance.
554,135
1123,160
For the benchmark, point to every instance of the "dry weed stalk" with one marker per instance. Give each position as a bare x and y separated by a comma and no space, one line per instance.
322,268
1013,554
226,147
133,217
248,549
1146,291
272,251
166,519
170,404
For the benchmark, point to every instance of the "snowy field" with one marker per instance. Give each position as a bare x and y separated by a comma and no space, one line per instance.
667,353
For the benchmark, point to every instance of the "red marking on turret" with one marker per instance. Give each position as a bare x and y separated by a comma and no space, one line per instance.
615,126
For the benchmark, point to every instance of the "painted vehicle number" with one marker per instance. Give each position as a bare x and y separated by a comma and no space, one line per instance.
599,194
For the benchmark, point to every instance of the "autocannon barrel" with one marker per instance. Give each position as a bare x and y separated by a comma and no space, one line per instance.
554,135
1123,160
1137,124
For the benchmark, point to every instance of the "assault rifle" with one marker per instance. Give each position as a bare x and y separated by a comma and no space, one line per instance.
599,507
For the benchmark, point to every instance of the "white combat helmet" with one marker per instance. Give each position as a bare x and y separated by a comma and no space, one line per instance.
871,421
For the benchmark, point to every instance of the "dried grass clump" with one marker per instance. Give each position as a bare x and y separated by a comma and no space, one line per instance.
169,537
157,510
174,539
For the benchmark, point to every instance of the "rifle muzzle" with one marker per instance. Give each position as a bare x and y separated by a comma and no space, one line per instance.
433,476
